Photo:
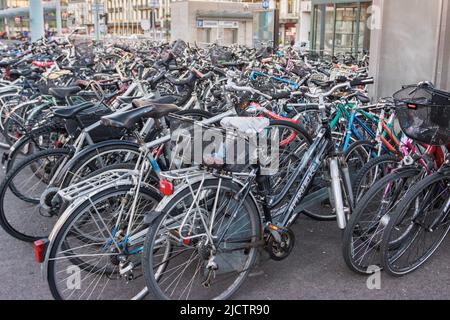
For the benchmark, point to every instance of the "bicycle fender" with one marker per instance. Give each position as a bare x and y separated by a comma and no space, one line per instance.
88,149
152,216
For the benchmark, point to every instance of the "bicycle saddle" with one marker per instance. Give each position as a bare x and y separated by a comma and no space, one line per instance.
127,119
19,73
72,111
4,64
363,98
125,99
142,103
64,92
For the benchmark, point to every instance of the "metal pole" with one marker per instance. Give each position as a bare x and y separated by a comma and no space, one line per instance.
153,24
96,20
358,30
128,17
36,20
58,18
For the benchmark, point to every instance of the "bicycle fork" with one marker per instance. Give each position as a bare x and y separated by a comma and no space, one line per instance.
338,165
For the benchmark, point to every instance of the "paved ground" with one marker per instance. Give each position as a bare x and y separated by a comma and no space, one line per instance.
315,270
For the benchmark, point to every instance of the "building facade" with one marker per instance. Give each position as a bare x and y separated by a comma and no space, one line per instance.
288,13
14,16
340,26
138,17
233,21
223,22
124,17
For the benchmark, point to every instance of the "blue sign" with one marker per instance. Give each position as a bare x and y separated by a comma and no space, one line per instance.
265,4
199,23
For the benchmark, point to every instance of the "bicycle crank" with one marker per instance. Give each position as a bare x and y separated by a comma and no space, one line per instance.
280,242
47,202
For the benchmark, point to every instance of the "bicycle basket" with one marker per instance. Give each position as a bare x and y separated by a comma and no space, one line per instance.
90,116
220,55
177,48
193,143
84,53
424,114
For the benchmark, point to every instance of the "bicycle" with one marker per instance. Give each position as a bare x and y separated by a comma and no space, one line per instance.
191,218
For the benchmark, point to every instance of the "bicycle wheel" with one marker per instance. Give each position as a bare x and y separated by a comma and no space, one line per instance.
39,139
88,257
100,157
181,263
309,117
362,236
25,198
418,226
357,155
372,172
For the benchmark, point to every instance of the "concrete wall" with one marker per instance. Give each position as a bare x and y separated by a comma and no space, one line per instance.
443,68
304,27
184,19
180,22
412,44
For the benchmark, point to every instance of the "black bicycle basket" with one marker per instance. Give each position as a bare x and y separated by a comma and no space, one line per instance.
193,143
220,56
424,114
84,53
90,116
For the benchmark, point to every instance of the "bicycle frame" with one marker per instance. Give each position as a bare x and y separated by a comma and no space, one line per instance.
256,73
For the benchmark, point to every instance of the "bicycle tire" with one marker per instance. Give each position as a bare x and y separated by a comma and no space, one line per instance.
353,225
6,185
399,215
384,159
147,257
59,238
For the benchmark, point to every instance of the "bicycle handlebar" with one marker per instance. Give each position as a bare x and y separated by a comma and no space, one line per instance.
348,84
234,87
361,82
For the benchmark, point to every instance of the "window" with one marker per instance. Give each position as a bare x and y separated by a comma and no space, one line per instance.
340,27
290,8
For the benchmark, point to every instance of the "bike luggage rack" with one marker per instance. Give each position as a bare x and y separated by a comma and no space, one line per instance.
96,183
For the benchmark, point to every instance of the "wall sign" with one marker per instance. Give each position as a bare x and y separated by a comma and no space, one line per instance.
217,24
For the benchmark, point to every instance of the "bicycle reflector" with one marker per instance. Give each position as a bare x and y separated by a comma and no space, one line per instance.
39,250
165,187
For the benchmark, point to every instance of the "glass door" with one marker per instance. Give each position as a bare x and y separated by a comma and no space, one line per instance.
346,28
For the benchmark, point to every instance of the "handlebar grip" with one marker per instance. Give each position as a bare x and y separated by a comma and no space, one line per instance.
362,82
281,95
219,71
